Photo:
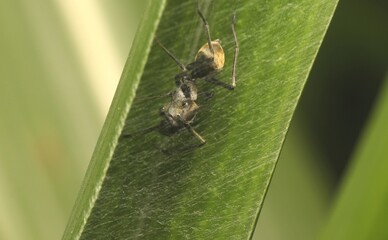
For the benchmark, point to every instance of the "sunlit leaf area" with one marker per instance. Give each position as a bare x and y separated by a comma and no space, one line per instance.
61,62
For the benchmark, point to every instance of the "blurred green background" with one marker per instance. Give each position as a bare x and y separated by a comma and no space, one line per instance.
60,63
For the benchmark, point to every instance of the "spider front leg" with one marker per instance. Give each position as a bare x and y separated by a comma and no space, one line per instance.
195,134
220,83
236,50
206,95
192,130
206,24
169,53
212,79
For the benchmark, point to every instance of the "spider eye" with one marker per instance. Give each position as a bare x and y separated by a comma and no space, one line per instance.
162,110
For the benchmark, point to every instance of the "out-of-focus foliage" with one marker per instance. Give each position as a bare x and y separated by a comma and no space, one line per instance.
345,79
361,210
297,201
50,118
95,176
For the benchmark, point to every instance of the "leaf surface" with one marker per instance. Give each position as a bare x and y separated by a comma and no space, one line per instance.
151,186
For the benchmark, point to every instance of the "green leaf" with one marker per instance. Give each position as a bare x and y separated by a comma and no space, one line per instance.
152,186
361,211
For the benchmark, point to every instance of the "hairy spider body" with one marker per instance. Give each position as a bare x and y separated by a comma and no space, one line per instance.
181,110
182,105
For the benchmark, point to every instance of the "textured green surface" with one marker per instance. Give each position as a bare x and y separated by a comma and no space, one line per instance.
157,187
361,210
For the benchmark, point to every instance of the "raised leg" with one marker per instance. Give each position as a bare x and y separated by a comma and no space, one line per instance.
206,24
220,83
192,130
181,65
207,94
195,134
236,50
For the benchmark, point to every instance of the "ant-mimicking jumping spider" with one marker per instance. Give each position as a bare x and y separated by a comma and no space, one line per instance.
181,110
210,59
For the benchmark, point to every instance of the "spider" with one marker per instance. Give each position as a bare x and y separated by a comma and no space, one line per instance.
181,110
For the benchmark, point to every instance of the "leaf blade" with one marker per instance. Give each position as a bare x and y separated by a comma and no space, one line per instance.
158,187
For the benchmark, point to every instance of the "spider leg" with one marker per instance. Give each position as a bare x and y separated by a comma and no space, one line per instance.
236,50
206,95
206,24
220,83
215,81
192,131
176,60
